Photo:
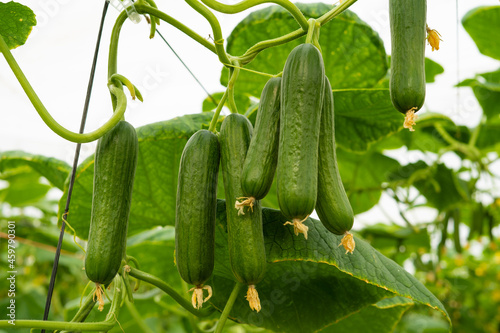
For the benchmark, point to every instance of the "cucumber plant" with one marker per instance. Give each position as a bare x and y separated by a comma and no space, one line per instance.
302,90
247,253
408,35
294,139
114,172
196,204
262,156
332,205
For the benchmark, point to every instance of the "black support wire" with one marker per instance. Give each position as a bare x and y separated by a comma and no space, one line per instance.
75,164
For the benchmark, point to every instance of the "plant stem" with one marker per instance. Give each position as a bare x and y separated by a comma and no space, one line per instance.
137,317
234,73
47,118
142,9
335,11
155,281
213,122
216,29
59,325
246,4
228,307
253,51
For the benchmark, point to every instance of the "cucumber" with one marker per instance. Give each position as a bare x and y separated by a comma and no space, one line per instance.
262,156
196,205
247,253
332,205
408,36
114,172
302,90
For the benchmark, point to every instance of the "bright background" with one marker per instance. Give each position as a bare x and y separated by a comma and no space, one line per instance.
58,56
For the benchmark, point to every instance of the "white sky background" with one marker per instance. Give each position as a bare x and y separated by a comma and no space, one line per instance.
57,58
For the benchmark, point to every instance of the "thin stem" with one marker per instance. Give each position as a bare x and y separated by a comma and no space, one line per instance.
246,4
137,316
216,29
335,11
253,51
234,73
59,325
155,281
213,122
475,134
170,20
310,30
45,115
228,307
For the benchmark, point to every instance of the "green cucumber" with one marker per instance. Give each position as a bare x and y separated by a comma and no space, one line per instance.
114,172
247,253
262,156
196,205
302,90
332,205
408,36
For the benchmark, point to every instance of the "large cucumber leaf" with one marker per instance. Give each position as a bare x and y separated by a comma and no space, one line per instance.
16,22
354,55
311,284
483,25
56,171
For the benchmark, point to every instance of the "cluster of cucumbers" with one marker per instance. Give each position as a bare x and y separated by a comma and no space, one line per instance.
293,137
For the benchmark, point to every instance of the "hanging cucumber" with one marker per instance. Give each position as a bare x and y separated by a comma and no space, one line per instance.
114,172
302,90
408,36
262,156
332,205
247,253
196,205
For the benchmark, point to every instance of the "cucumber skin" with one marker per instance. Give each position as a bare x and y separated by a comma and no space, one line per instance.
332,206
114,173
196,205
262,156
407,82
247,252
302,90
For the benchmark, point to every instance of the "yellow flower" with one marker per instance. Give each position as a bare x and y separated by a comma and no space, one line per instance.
433,38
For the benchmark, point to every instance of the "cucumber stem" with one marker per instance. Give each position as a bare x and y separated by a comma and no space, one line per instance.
246,4
213,122
228,307
157,282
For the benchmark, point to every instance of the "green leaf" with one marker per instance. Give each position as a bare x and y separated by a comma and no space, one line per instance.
441,186
353,53
380,317
155,186
388,239
16,23
486,88
426,137
419,323
489,136
363,176
310,284
364,116
432,69
56,171
483,25
23,187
